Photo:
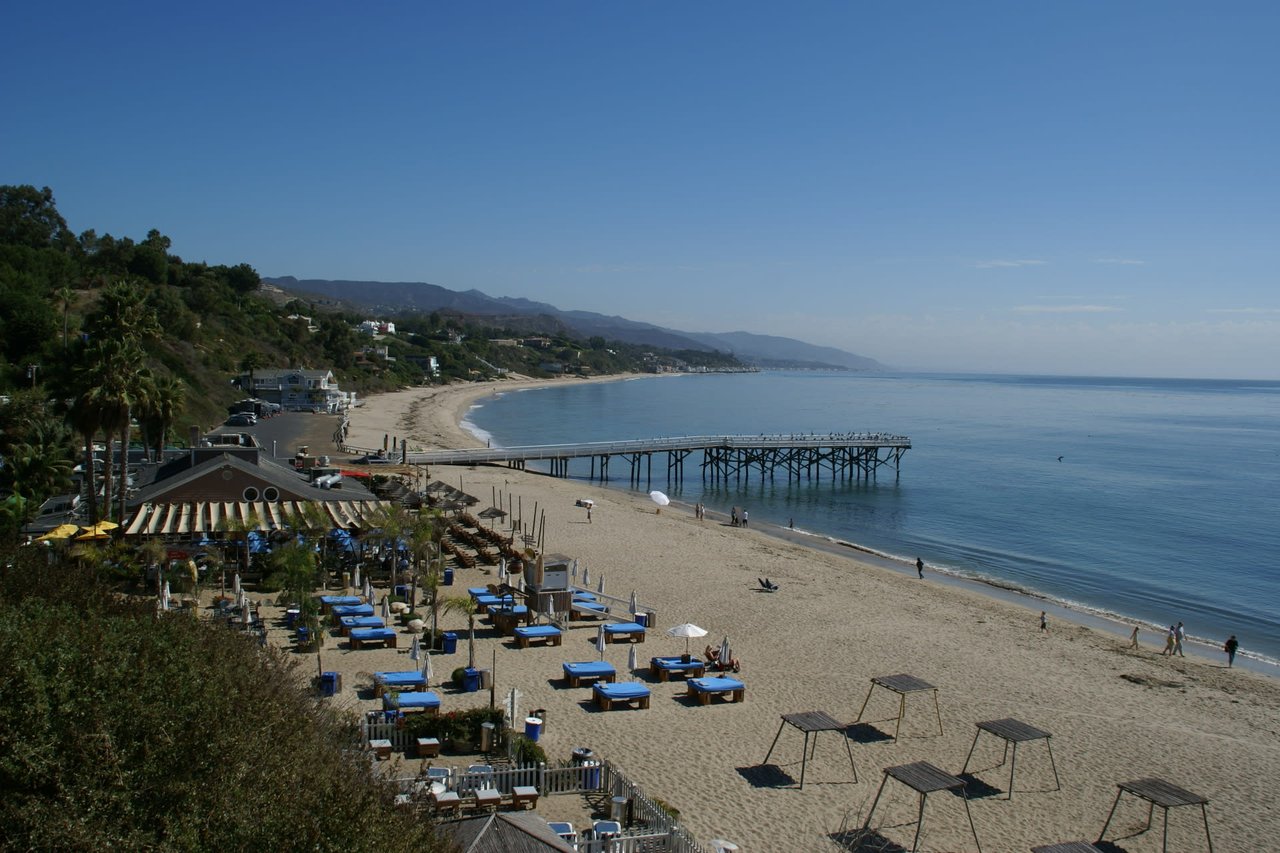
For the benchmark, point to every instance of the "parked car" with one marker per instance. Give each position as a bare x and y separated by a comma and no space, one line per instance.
242,419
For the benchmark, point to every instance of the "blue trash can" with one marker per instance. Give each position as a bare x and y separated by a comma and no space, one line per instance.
448,576
533,728
470,680
584,757
304,636
449,642
291,616
402,590
330,683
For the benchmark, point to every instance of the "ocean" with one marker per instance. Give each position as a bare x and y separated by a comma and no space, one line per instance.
1155,500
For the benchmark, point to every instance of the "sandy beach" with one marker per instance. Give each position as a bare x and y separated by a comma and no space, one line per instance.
1115,714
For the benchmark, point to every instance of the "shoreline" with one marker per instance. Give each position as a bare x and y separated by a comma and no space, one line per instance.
1098,618
841,617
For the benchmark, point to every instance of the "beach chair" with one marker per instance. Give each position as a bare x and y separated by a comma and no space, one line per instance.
662,668
628,693
624,632
385,682
361,637
426,701
705,688
576,673
565,830
526,634
605,830
767,585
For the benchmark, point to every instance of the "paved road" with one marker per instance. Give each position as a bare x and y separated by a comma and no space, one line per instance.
288,431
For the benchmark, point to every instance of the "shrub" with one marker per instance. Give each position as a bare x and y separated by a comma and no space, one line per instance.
528,752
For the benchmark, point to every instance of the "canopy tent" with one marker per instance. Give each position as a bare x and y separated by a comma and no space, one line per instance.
200,517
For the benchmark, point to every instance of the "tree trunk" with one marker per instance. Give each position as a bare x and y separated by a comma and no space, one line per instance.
124,463
91,470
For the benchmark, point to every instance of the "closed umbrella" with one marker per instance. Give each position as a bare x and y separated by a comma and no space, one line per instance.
635,605
235,585
573,572
355,580
631,660
415,649
586,577
600,585
426,667
502,571
725,653
600,641
688,630
386,608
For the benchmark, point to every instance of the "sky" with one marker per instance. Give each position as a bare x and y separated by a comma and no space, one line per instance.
1085,188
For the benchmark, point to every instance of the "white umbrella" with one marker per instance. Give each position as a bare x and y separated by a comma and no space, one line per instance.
573,571
600,585
659,498
415,649
725,653
600,641
368,590
631,660
355,580
635,605
426,667
688,630
235,584
386,608
502,571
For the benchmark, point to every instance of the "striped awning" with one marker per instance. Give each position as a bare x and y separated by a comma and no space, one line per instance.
185,519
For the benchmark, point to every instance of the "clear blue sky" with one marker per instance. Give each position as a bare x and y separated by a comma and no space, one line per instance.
1074,187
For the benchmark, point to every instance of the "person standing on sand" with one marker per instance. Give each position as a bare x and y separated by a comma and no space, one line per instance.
1179,634
588,513
1168,642
1044,623
1230,647
1133,638
920,567
744,518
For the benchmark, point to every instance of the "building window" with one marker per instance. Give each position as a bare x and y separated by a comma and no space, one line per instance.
250,494
270,494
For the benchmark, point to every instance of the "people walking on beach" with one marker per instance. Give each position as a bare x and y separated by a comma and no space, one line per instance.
1133,638
1179,634
920,567
1230,647
744,518
733,516
1044,623
1168,641
588,513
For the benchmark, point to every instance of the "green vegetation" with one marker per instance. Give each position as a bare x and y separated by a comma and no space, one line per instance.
122,730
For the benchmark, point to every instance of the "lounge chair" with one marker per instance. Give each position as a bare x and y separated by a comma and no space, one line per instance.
526,634
767,585
346,623
484,602
425,700
606,829
704,688
350,610
565,830
620,632
588,671
662,668
401,680
361,637
627,692
328,602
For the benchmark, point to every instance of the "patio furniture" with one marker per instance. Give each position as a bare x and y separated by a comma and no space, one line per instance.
925,779
704,688
603,830
588,671
811,723
381,748
526,634
627,692
505,619
407,679
361,637
487,799
476,778
1166,795
621,632
524,796
662,668
346,623
487,600
338,611
565,830
588,610
425,700
328,602
1013,732
902,684
446,802
427,747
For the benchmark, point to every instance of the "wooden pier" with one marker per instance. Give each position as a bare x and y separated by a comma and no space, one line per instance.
842,457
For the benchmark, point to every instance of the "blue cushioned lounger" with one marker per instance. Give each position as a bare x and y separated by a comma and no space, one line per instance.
349,622
663,668
335,600
473,591
360,636
624,630
399,680
424,700
591,670
526,633
627,691
353,610
705,688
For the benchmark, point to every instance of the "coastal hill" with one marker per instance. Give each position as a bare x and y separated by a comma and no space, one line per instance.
400,296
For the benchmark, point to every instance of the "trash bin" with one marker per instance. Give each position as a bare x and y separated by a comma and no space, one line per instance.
330,683
486,679
533,728
291,616
470,680
486,736
584,757
304,636
450,642
448,576
618,809
541,714
401,590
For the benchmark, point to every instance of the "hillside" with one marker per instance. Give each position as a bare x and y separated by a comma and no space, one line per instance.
392,298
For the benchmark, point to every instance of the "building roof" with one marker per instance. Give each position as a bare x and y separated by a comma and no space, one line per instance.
207,472
504,832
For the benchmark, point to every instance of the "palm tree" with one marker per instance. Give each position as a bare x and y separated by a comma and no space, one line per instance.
66,296
239,530
252,361
161,404
85,417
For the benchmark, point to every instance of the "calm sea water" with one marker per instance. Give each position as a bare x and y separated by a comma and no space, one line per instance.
1165,505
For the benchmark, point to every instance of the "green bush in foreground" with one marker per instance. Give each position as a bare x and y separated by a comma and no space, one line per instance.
118,729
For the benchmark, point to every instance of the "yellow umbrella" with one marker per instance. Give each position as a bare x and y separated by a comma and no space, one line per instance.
98,531
62,531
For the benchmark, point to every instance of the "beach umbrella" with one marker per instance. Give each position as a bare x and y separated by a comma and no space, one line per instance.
600,641
635,605
688,630
631,660
660,499
415,650
386,608
573,571
502,571
586,577
62,531
725,653
426,667
355,580
235,585
600,585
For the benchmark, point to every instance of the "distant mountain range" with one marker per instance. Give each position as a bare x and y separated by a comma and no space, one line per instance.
389,298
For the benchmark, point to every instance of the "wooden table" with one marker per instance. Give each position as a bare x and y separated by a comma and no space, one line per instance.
902,684
1166,795
1013,732
925,779
811,723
